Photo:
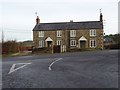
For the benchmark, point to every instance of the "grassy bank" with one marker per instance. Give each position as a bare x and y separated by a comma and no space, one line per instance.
16,54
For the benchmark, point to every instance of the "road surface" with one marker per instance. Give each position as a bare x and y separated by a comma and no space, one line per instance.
89,69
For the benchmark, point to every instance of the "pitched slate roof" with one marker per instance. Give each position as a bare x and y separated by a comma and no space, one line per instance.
69,26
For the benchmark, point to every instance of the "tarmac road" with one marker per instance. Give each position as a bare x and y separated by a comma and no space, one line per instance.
89,69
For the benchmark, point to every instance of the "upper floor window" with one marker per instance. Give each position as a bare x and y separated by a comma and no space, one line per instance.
73,43
59,33
92,32
58,42
92,43
72,33
41,33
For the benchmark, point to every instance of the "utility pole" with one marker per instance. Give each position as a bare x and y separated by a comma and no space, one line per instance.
2,36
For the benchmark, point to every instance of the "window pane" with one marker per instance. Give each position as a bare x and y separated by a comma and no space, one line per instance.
94,43
91,44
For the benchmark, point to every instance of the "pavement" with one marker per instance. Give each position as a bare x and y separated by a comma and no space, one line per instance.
89,69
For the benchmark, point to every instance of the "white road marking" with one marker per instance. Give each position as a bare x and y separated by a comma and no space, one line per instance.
12,69
53,63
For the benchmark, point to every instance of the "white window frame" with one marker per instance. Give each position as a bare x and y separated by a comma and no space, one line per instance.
73,43
92,43
93,32
41,43
41,33
59,42
72,33
59,33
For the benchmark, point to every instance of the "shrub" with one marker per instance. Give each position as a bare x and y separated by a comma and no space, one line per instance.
9,47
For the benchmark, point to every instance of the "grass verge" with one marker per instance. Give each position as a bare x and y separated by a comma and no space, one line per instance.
16,54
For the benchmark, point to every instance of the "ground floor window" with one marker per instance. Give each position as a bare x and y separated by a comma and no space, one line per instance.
92,43
41,43
58,42
73,43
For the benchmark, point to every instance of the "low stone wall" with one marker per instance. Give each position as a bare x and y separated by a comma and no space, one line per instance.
42,50
77,50
84,49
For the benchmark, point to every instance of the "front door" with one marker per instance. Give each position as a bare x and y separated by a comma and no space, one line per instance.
82,44
49,43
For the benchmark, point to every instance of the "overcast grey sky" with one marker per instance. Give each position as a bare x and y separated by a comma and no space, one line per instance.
17,18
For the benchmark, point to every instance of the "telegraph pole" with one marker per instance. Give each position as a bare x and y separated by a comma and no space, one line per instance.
2,36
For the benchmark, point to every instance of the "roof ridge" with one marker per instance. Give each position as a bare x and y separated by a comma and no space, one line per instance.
68,22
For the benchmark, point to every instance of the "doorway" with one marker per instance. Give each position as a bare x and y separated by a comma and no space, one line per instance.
82,44
49,43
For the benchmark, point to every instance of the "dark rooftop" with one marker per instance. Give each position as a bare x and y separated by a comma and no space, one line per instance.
69,26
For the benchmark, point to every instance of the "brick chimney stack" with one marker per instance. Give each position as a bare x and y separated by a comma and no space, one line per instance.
71,20
37,20
101,16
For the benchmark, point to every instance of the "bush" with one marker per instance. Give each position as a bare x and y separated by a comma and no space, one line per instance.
9,47
113,46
